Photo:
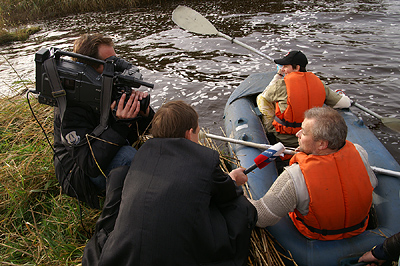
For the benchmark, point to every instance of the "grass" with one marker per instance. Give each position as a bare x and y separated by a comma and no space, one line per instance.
38,224
15,13
22,11
7,36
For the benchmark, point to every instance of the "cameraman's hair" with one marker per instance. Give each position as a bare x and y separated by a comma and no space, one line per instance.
173,119
88,44
328,125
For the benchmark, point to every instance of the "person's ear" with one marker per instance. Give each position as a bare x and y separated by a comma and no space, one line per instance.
297,68
322,144
188,133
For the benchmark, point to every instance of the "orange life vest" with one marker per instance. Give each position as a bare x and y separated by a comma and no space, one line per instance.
340,194
304,91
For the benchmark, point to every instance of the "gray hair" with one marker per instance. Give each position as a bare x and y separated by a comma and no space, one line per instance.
328,125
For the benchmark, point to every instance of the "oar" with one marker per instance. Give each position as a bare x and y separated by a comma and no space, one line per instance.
203,135
391,122
385,171
192,21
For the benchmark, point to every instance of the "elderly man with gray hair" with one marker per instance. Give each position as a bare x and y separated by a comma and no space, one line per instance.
327,189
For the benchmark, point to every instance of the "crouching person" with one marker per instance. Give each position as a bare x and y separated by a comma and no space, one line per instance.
177,206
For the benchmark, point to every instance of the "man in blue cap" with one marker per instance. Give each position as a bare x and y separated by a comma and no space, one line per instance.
291,92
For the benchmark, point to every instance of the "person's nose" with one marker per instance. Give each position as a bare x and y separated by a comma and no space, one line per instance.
298,134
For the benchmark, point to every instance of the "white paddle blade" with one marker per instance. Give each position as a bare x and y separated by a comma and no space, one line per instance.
392,123
192,21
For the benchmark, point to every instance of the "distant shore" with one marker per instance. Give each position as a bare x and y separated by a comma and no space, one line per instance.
15,14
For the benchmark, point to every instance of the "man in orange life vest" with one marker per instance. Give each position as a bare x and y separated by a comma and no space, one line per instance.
290,93
327,189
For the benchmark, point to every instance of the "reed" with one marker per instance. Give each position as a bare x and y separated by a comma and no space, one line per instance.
263,246
7,36
38,225
14,12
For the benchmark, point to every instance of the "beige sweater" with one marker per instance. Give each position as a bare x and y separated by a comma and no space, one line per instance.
276,92
289,192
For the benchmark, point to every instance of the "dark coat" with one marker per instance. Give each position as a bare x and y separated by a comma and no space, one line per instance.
177,208
389,250
77,161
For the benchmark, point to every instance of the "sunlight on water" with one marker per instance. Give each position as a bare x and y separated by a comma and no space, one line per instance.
355,48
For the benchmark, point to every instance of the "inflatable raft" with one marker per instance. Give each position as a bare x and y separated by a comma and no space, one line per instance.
241,118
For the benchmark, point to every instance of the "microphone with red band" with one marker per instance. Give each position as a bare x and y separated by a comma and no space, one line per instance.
266,157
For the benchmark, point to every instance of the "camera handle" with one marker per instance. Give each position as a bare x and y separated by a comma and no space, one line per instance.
58,53
105,98
134,82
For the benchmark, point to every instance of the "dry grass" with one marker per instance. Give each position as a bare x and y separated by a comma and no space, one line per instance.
38,224
14,12
17,34
263,251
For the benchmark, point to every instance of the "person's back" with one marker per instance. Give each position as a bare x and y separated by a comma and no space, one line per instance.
291,92
177,206
175,211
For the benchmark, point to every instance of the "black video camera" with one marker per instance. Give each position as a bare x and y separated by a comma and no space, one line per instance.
82,84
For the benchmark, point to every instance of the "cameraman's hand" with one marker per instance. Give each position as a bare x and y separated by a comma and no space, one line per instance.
143,95
131,108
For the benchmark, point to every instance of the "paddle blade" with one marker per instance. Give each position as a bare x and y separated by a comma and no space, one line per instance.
192,21
392,123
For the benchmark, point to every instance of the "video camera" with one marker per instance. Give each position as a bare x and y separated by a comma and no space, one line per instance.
82,84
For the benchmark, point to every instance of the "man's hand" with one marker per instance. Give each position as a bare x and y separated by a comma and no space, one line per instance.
239,176
369,258
131,108
143,95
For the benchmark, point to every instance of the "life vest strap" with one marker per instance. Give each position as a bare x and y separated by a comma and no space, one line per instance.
285,123
326,232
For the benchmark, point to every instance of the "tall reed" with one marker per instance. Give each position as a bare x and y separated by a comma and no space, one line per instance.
38,224
21,11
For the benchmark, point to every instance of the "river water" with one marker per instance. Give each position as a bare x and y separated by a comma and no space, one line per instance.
351,45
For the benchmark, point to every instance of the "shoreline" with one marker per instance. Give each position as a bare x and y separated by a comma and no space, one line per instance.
16,14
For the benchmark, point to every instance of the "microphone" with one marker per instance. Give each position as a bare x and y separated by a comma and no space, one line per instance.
266,157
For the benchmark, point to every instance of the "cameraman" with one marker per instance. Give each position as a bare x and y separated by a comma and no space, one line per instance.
83,162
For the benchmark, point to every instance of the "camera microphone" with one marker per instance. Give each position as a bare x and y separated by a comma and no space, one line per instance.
266,157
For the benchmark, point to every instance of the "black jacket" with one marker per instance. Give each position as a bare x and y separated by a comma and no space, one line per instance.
177,208
389,250
73,160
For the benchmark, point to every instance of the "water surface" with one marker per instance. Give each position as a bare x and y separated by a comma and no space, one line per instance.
351,45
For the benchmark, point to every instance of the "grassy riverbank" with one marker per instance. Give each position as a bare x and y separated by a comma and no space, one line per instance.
38,225
15,12
7,36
